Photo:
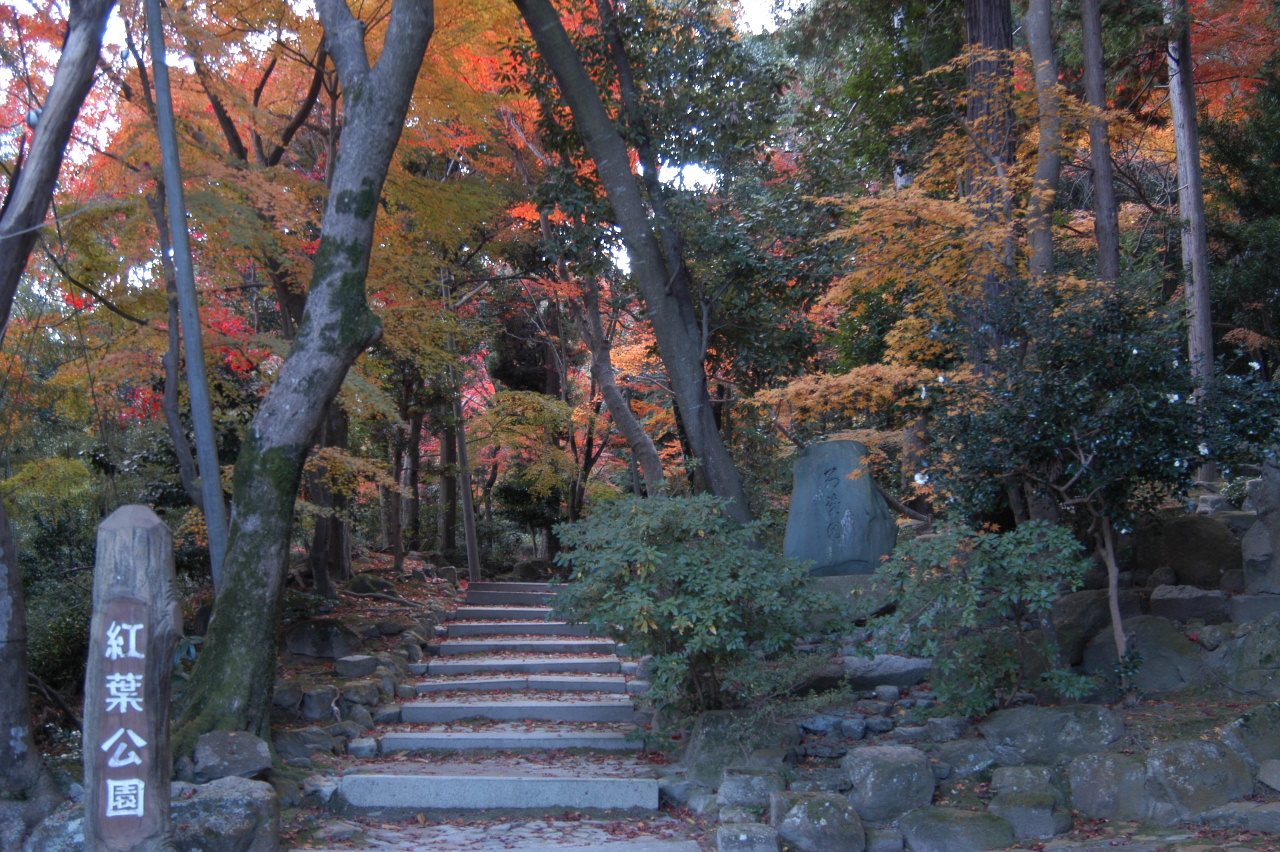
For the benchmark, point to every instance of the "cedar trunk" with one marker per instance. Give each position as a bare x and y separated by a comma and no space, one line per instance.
230,688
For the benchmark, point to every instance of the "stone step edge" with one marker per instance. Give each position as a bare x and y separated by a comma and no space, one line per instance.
467,792
565,846
587,683
410,741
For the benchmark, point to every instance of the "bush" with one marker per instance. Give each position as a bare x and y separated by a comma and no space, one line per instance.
979,604
673,577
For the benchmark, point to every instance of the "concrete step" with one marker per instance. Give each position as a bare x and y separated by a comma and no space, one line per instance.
544,664
518,740
469,792
615,684
511,587
516,628
499,598
577,708
500,613
502,842
454,647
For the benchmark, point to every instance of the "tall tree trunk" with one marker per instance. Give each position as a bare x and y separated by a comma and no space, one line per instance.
1195,248
22,774
393,531
230,688
664,286
412,474
330,544
1106,215
1039,23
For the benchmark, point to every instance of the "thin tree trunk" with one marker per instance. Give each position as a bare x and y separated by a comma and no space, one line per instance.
664,287
643,451
412,473
448,489
1039,23
1106,216
230,688
1195,249
391,513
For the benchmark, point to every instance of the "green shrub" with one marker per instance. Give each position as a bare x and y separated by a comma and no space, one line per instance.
673,577
979,604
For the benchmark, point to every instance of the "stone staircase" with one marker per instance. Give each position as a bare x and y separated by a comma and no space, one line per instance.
499,709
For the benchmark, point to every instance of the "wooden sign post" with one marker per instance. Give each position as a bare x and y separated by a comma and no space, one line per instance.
136,624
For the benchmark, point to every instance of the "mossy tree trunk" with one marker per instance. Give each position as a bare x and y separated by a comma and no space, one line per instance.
230,688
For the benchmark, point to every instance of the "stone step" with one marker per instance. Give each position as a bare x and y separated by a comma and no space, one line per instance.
454,647
577,708
500,613
518,740
615,684
503,842
516,628
476,792
485,586
500,598
607,664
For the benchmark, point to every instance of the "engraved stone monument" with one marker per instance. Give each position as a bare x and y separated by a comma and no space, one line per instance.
838,519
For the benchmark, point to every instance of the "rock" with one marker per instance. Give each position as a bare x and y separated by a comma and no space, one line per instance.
1183,603
1265,818
777,760
879,725
1245,608
909,734
227,815
1247,664
1034,815
884,840
1080,616
944,729
853,727
821,724
875,707
820,780
359,714
1008,780
1233,583
1162,576
736,814
864,673
322,637
1109,786
748,787
674,790
303,743
888,692
747,837
220,754
838,521
1211,636
1195,776
367,583
1170,661
1233,815
1047,735
386,714
721,737
820,822
366,692
356,665
287,695
954,830
1197,548
1255,736
888,781
319,703
1269,773
967,758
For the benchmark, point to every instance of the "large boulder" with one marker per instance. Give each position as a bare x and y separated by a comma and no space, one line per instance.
1198,549
745,787
968,758
822,822
1183,603
1170,662
220,754
1109,786
747,837
888,781
1261,543
1033,815
1249,663
884,670
227,815
954,830
721,737
1255,736
1047,735
325,638
1194,776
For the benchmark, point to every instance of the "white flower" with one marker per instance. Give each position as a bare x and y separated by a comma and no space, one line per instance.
921,478
942,378
1254,365
1204,448
1173,397
924,391
1135,351
1180,463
